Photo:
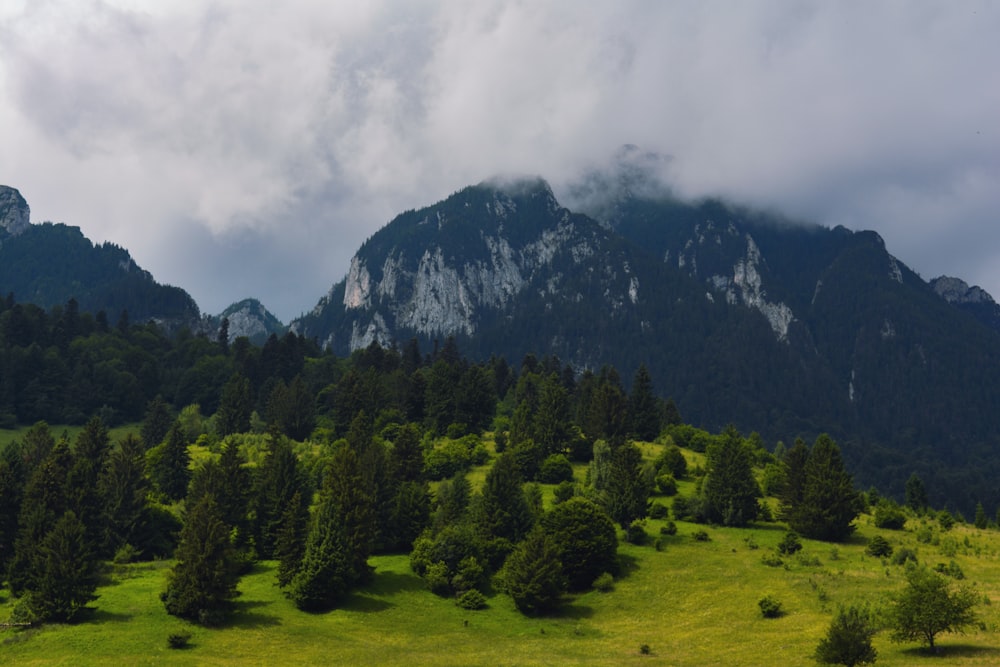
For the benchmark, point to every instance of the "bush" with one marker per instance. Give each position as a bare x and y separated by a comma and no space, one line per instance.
769,607
670,528
952,569
672,462
789,544
126,554
636,533
904,555
946,520
437,579
666,484
563,492
700,536
878,547
658,511
889,515
605,583
179,640
771,559
471,599
555,469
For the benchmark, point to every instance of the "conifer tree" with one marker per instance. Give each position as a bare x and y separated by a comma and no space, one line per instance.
794,463
849,640
170,471
585,538
325,573
279,478
533,574
352,509
89,457
124,489
12,481
202,584
67,571
829,502
233,415
157,422
644,414
291,541
627,492
730,489
503,512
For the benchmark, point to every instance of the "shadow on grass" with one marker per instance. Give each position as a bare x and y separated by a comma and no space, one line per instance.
367,604
98,615
393,583
989,653
245,616
627,565
574,611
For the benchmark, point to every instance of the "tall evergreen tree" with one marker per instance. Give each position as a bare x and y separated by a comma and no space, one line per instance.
730,489
644,414
157,422
279,478
67,571
533,574
202,584
170,470
291,541
124,489
325,574
13,474
627,492
89,457
916,494
352,509
235,406
794,464
503,512
829,501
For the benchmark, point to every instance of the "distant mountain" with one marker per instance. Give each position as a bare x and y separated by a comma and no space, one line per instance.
974,300
740,316
247,318
48,264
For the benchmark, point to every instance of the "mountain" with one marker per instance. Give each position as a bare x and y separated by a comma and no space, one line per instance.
973,300
48,264
741,316
248,318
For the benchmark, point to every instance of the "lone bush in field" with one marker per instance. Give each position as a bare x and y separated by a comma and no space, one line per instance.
878,547
789,544
769,607
849,639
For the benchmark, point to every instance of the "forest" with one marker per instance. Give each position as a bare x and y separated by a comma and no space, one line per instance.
530,482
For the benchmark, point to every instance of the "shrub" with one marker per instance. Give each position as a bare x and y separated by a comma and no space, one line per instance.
437,579
126,554
605,583
904,555
563,492
178,639
946,520
878,547
636,533
672,462
925,535
554,469
771,559
644,649
666,484
769,607
889,515
700,536
658,511
670,528
849,639
952,569
471,599
789,544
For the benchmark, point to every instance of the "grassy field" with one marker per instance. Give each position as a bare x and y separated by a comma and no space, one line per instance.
690,602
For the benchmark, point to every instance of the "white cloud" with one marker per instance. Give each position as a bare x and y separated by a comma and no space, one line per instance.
299,128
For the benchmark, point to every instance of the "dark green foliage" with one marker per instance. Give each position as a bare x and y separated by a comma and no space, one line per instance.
451,559
290,544
829,503
672,459
170,469
848,641
889,515
472,600
904,556
585,539
980,520
13,472
235,406
352,508
555,468
916,494
627,491
730,488
644,416
928,607
66,575
952,569
533,575
658,511
123,488
789,544
503,511
327,570
178,640
563,492
770,607
411,514
636,533
878,547
202,584
279,478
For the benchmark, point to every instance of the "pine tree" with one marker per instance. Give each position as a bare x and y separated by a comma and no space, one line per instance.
157,422
533,575
794,463
644,415
829,502
849,639
233,415
627,492
170,471
353,511
67,571
325,574
202,584
89,456
730,488
503,511
12,482
291,541
279,478
411,514
123,490
916,494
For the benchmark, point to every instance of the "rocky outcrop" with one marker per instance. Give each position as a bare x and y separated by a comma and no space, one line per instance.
15,216
956,290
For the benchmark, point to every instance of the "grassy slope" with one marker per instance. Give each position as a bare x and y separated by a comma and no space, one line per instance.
692,603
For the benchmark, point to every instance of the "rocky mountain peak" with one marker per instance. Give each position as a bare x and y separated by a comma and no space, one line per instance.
956,290
15,215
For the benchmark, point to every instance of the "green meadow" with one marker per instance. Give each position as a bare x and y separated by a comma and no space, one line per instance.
678,601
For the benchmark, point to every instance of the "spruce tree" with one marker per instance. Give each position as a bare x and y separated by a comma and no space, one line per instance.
503,512
202,584
124,490
644,414
89,456
156,423
279,478
291,541
325,574
533,574
627,491
849,639
730,489
352,509
829,502
170,471
233,415
12,481
67,571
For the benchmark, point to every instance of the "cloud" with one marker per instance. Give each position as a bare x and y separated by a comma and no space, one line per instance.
265,141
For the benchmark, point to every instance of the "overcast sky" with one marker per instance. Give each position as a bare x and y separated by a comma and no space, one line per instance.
247,147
